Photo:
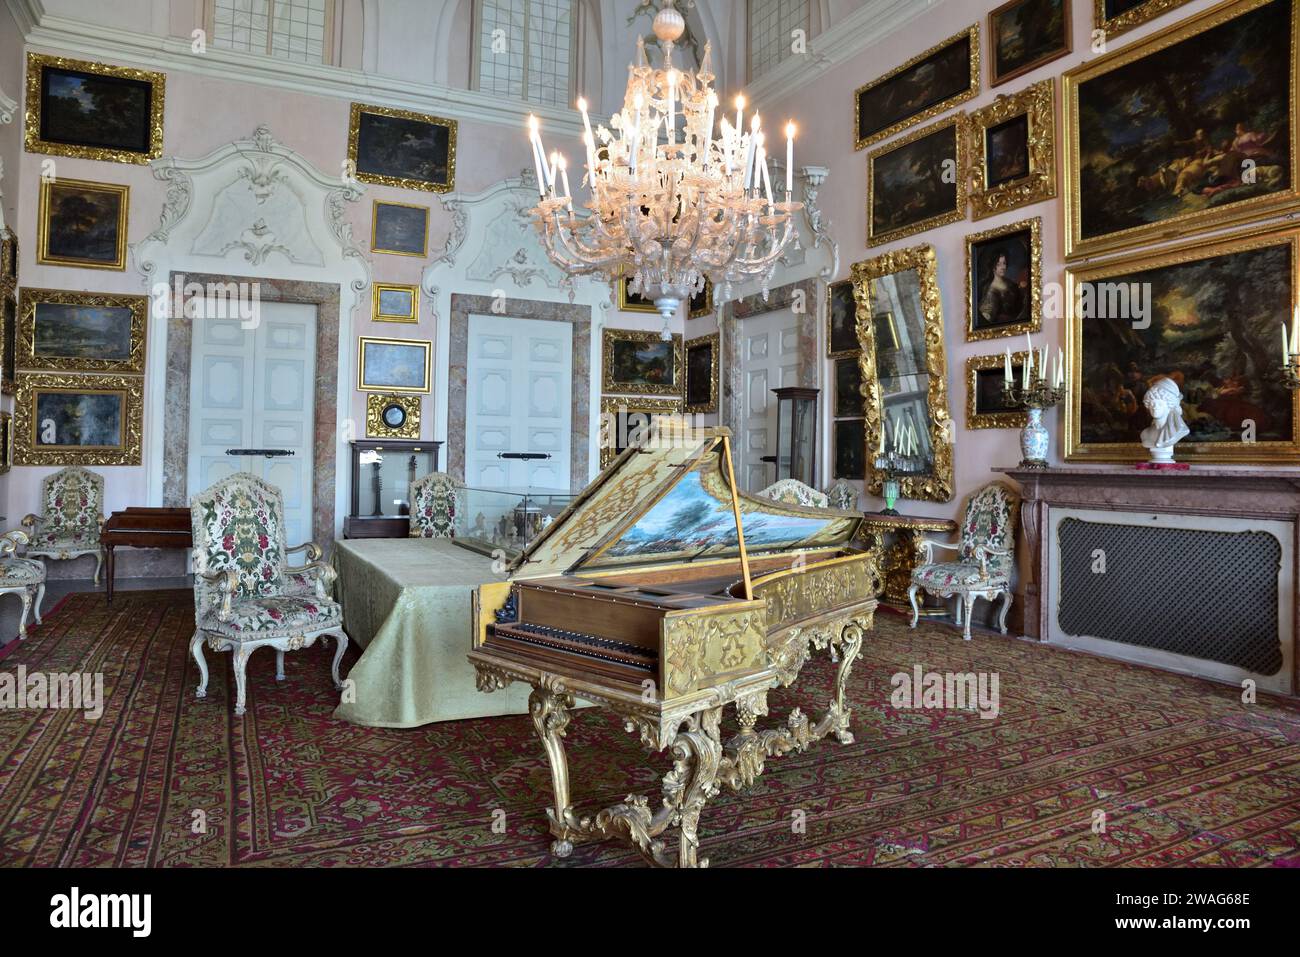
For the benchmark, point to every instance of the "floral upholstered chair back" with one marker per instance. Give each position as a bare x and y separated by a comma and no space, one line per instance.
238,524
72,503
990,520
433,506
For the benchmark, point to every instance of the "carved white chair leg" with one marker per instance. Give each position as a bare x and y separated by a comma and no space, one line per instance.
1002,614
916,611
968,600
27,607
279,664
960,602
99,564
240,661
338,659
196,649
40,597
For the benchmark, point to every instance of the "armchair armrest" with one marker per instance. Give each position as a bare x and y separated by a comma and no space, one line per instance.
12,541
324,574
32,520
925,549
313,551
984,552
226,581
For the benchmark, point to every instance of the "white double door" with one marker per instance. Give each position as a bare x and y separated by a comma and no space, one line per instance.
519,399
769,359
252,386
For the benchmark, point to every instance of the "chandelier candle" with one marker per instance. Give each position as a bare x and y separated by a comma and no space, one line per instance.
667,214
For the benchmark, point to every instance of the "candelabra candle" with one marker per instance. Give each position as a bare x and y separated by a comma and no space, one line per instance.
1034,396
668,215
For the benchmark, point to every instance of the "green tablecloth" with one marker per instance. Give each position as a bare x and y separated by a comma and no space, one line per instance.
406,602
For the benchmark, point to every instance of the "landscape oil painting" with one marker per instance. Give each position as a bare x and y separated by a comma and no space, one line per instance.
400,229
79,419
82,224
916,184
641,363
1208,317
1191,126
1025,34
399,148
93,110
393,365
925,86
82,332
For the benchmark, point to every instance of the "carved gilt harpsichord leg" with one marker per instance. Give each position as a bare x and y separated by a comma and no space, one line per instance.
697,753
851,645
549,706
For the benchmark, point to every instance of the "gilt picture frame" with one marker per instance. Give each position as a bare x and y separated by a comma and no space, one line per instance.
6,442
930,83
392,416
394,365
395,302
1208,315
93,111
622,417
702,303
1026,34
1116,17
848,449
641,363
73,419
702,379
986,403
64,331
918,182
8,257
82,224
399,229
1218,148
629,301
841,320
8,340
846,398
1012,148
401,148
1004,281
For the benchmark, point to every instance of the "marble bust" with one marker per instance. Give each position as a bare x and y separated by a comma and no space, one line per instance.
1164,401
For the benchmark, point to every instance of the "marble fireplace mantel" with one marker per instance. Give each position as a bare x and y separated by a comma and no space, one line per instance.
1234,493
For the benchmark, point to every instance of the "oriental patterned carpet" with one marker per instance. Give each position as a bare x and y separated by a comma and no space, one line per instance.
1090,762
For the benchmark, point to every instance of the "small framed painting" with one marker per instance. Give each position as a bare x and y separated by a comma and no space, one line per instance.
986,400
93,110
1012,148
8,342
641,363
396,303
702,374
629,301
848,389
928,84
1026,34
400,148
81,331
82,224
841,320
1004,280
394,365
624,421
917,182
849,453
62,419
6,442
400,229
702,302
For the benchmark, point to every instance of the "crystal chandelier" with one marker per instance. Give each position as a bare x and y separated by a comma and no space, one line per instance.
669,204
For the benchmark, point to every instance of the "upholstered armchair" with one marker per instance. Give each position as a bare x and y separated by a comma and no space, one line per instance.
72,511
21,576
246,596
433,506
985,557
794,492
843,496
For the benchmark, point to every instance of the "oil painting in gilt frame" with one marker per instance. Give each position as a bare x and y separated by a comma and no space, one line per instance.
624,420
918,182
1012,148
1206,314
82,224
1188,129
848,454
393,302
702,379
1004,281
8,340
1026,34
81,332
388,147
394,365
93,111
67,419
641,363
400,229
928,84
1113,17
986,401
841,320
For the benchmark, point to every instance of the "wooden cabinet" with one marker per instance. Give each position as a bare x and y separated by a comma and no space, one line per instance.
382,474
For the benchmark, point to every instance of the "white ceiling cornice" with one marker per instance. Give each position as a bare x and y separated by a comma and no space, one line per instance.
98,42
869,24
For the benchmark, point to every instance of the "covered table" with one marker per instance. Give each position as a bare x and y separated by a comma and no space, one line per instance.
406,603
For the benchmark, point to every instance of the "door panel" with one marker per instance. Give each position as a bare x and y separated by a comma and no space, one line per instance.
769,360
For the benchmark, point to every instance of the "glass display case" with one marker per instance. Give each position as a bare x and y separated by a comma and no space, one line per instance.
492,519
796,434
382,473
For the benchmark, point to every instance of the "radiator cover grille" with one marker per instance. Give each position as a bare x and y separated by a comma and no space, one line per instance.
1206,594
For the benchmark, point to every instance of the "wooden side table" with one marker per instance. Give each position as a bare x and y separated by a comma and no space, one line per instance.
897,560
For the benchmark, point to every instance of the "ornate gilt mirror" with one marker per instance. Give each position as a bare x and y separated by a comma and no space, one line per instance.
904,371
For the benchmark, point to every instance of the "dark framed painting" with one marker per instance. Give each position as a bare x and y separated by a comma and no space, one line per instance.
629,301
82,224
841,320
849,453
928,84
641,363
1026,34
848,401
1207,315
62,419
6,441
93,110
1214,143
394,365
400,148
917,182
1114,17
701,303
1004,281
400,229
8,257
702,374
625,420
1012,147
987,405
81,331
8,342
